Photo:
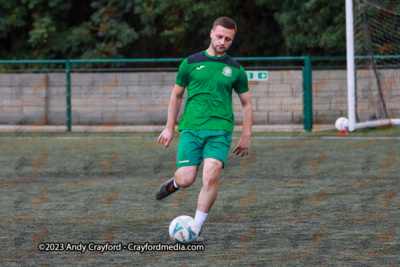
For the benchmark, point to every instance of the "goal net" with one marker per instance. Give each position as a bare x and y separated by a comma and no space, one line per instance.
374,94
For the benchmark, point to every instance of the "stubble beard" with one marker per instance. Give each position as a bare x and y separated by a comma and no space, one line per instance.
219,51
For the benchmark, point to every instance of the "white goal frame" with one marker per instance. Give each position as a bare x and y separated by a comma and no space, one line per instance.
353,125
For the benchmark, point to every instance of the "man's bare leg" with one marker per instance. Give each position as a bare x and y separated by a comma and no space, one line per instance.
184,177
208,193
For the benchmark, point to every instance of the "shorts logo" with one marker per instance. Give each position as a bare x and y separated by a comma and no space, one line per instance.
199,68
183,161
227,72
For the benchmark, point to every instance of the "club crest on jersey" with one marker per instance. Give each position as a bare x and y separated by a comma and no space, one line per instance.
227,72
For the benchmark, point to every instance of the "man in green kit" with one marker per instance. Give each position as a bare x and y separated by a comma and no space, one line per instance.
207,122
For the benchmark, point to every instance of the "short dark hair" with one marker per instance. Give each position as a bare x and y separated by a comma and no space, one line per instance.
226,23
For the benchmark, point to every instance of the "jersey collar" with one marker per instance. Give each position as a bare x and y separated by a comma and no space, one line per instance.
214,57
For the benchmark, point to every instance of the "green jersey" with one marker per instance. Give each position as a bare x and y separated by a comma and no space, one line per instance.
209,81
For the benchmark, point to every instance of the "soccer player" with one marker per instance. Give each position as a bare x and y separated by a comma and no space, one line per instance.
207,122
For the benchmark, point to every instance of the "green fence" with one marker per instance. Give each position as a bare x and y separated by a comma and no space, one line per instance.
277,101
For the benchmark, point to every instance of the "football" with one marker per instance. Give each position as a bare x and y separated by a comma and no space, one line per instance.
342,124
184,229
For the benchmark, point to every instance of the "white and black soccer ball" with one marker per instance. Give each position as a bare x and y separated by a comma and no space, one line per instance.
184,229
342,124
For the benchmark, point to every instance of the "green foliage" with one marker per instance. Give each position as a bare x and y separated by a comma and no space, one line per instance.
50,29
313,27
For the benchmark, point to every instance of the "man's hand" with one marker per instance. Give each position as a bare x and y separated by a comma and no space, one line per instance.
243,146
166,137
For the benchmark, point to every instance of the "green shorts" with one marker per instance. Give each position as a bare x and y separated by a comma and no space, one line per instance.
195,145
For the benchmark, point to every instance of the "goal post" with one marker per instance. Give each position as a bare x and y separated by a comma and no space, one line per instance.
350,65
373,63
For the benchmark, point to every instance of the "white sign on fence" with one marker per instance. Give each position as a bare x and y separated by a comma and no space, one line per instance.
261,75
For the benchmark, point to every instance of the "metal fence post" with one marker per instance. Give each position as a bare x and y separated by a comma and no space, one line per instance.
68,94
307,95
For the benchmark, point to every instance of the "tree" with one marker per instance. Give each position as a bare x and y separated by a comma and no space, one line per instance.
182,27
56,29
48,29
313,27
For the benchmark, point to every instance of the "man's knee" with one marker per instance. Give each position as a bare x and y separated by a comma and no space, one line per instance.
211,180
184,178
184,182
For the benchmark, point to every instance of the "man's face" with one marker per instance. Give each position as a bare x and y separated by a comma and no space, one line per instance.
221,39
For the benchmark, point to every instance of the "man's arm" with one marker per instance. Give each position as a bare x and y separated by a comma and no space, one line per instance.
173,110
247,115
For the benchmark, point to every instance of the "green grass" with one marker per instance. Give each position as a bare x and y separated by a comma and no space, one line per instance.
290,202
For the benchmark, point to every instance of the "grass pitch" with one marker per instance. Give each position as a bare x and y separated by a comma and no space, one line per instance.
296,199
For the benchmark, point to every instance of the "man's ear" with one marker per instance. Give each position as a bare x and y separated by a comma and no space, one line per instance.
211,32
